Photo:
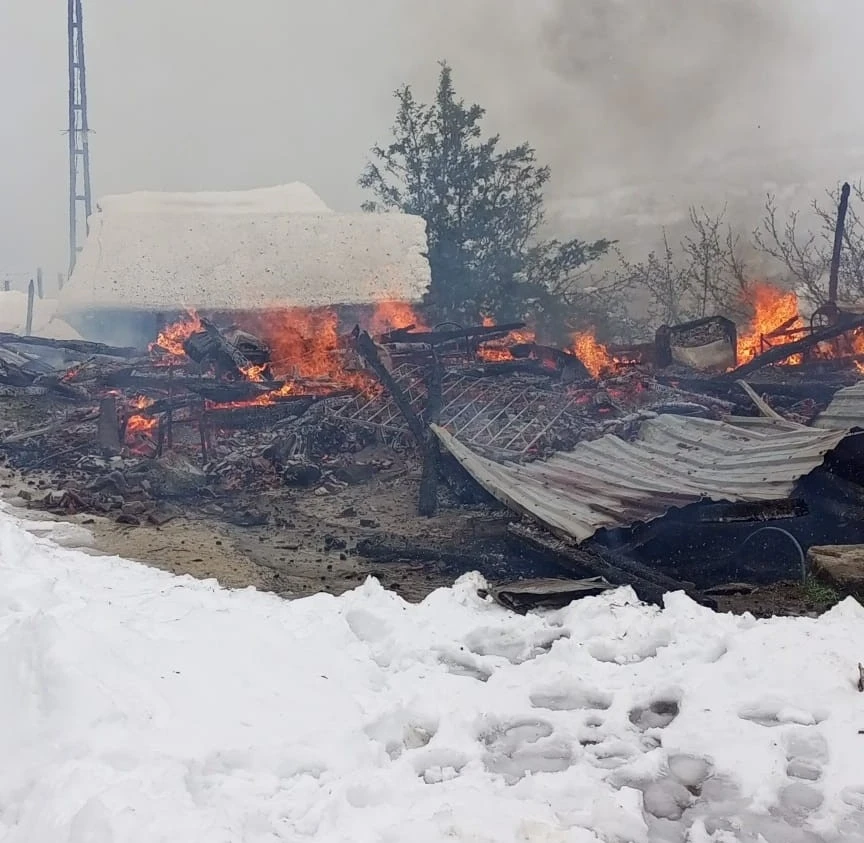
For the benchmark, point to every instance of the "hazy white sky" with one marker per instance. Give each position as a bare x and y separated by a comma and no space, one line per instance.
212,94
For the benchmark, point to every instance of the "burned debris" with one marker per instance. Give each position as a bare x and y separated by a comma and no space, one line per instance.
655,466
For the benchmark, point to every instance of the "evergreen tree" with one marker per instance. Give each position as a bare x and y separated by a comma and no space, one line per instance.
483,207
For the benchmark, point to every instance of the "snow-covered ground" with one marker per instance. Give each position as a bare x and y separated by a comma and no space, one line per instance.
136,706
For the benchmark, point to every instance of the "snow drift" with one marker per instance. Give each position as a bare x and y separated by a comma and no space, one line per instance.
137,706
279,247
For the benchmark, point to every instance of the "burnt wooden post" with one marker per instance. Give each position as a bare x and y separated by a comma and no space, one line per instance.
834,276
107,428
31,294
39,289
428,498
60,279
169,416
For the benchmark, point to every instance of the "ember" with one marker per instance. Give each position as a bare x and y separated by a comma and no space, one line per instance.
499,350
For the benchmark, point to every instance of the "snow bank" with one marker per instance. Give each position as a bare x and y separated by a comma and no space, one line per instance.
141,707
245,250
13,317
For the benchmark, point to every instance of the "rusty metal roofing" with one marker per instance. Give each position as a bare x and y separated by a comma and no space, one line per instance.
674,461
845,411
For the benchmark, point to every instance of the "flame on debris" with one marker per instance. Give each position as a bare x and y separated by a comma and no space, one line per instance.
498,350
392,315
138,425
593,354
172,337
857,340
774,310
253,372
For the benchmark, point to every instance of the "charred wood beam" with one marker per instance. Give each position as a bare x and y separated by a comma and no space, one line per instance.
257,416
723,387
783,352
428,499
210,344
79,346
648,584
36,432
404,335
138,378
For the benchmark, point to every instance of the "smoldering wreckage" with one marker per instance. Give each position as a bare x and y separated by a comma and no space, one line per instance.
709,460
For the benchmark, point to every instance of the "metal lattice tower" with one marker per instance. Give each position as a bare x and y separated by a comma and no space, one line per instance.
80,203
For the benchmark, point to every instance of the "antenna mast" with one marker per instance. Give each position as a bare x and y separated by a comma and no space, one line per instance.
80,203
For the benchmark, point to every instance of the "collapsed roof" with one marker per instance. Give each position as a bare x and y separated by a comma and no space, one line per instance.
675,461
246,250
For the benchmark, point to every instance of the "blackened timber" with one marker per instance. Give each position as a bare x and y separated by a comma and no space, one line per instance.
257,416
422,435
107,427
723,388
79,346
428,497
437,337
211,344
783,352
649,585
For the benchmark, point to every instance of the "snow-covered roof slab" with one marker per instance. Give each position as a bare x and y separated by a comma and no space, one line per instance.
259,249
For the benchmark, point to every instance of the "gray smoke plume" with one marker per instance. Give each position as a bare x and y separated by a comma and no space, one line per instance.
632,85
645,106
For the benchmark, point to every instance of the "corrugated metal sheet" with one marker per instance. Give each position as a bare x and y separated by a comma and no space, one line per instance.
845,411
675,461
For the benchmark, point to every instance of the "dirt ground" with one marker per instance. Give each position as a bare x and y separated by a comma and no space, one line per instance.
304,541
309,545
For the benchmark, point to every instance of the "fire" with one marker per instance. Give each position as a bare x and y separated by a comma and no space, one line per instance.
858,348
172,337
305,345
253,372
392,315
138,424
774,309
593,354
498,350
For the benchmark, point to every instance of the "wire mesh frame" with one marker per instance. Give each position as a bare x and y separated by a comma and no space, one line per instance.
506,416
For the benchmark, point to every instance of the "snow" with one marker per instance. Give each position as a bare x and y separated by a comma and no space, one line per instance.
138,706
13,317
259,249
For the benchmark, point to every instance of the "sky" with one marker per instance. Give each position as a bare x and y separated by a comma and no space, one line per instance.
218,95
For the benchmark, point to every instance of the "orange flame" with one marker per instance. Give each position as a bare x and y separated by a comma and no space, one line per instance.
773,308
593,354
498,350
137,424
172,337
392,315
253,372
857,340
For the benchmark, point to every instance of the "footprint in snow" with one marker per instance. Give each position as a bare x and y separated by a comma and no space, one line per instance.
771,712
806,754
527,746
657,715
570,696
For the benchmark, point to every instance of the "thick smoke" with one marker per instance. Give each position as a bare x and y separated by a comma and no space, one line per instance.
652,76
643,107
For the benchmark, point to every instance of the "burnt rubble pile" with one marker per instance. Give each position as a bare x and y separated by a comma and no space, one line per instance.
200,420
